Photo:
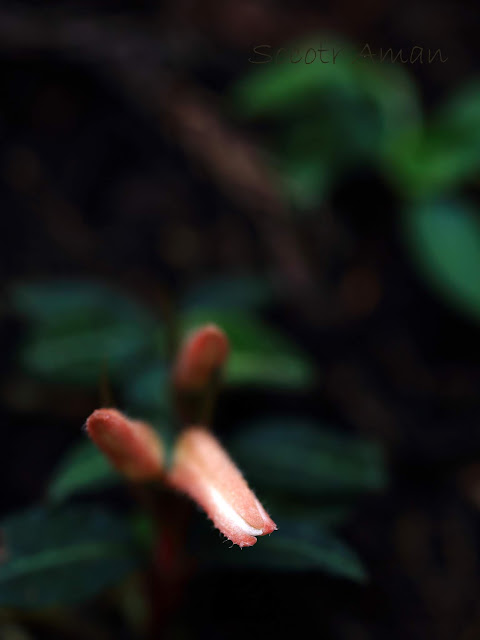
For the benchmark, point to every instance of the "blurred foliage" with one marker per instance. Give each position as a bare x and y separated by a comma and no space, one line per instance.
354,112
84,468
147,391
239,293
79,331
62,557
328,119
306,459
298,545
445,153
444,237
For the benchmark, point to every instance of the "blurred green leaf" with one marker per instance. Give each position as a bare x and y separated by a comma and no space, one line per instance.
330,117
282,89
446,153
299,457
229,292
84,468
296,546
459,119
147,393
344,129
433,163
282,369
444,240
294,90
79,331
324,513
58,558
307,180
259,354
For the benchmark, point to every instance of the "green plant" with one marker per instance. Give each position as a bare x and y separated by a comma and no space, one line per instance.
308,476
345,117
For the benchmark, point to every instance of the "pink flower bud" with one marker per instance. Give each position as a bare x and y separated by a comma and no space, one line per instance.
132,447
204,351
202,469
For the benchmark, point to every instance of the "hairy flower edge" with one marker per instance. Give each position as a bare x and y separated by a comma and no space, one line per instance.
203,470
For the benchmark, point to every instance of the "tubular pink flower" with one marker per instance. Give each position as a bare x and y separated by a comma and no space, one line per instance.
203,470
203,352
132,447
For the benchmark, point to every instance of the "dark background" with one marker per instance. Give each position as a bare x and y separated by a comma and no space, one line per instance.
108,170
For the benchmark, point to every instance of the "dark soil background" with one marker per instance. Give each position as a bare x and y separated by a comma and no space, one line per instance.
102,175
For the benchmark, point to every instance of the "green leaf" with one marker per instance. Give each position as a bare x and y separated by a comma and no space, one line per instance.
459,120
83,469
444,240
58,558
147,394
332,93
296,546
461,112
446,153
281,89
323,513
229,292
307,181
80,330
259,354
433,163
299,457
331,117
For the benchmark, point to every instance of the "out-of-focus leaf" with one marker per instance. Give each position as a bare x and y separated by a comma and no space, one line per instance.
433,163
314,152
444,155
296,546
147,393
84,468
330,117
444,240
281,89
349,128
300,457
323,513
79,331
229,292
307,181
58,558
297,90
259,354
460,116
44,301
287,369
